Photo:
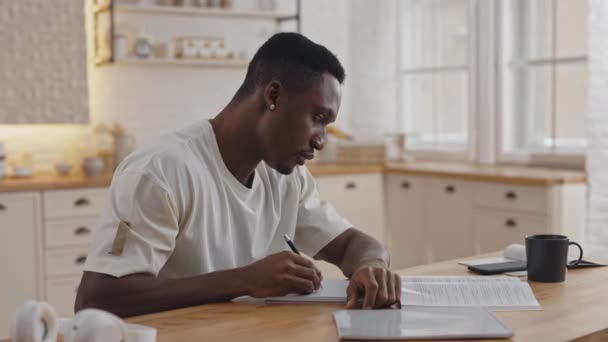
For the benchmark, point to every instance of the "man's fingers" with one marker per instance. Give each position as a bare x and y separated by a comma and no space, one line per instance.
302,261
308,274
398,288
382,295
390,287
298,285
371,291
352,295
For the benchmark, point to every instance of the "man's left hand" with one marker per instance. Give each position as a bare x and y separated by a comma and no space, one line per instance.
376,285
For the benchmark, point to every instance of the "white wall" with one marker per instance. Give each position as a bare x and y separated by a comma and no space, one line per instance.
597,124
372,79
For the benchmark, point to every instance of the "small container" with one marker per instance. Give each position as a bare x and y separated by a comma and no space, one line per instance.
120,46
92,166
63,168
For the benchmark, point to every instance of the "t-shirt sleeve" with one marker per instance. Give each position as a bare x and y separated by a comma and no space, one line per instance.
138,228
318,222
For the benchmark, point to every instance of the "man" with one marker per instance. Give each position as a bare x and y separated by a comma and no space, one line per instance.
200,217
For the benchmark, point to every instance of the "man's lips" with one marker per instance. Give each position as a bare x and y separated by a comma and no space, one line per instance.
308,155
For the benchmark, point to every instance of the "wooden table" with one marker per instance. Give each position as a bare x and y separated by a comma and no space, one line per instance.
575,309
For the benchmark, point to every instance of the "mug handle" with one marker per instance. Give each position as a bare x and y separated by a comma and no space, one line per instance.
580,257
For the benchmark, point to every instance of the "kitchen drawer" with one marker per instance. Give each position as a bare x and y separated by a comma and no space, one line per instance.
512,197
61,294
68,261
70,203
69,232
497,229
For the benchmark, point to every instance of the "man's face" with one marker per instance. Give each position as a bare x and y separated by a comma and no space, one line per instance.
297,126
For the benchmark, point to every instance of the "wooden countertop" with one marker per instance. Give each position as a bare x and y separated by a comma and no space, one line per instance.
51,181
575,309
468,171
490,173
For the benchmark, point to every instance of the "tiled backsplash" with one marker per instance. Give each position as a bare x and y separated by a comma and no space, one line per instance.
47,144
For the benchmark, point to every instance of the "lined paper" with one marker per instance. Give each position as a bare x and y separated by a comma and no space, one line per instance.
494,293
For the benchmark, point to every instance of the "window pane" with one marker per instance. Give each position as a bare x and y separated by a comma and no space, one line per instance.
452,32
571,103
451,92
434,33
416,33
538,23
537,121
526,108
417,109
436,110
571,28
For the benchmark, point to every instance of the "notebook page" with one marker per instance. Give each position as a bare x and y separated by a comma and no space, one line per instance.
495,293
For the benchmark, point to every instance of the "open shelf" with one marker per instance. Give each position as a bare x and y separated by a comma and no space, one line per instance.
182,62
200,11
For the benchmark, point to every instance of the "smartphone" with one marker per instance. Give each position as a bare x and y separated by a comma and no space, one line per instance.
499,267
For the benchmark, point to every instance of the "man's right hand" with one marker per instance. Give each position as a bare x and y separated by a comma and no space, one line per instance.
280,274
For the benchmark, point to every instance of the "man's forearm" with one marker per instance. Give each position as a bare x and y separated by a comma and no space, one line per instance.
139,294
363,250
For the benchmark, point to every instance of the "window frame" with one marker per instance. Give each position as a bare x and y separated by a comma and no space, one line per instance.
485,132
468,153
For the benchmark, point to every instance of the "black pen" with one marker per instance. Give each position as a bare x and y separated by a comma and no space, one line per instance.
291,245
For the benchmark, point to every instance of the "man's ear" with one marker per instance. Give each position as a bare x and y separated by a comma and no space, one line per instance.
272,93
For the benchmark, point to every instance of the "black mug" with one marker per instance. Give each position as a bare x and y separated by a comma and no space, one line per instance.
547,257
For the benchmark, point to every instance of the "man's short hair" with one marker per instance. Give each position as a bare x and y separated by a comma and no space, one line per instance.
292,59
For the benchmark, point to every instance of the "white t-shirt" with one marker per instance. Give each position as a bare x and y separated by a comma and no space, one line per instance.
186,214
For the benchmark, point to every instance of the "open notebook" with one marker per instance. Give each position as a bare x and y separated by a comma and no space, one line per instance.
496,293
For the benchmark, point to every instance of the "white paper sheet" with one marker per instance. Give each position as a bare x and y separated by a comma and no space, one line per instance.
494,293
332,291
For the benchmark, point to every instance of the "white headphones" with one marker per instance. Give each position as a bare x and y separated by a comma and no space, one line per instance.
37,322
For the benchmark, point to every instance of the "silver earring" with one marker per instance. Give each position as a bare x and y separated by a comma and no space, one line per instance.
272,107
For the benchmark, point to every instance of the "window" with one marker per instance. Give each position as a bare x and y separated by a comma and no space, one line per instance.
534,81
543,68
435,70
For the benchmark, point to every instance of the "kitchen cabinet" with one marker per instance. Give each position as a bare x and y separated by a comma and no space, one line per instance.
70,219
360,199
432,218
407,237
449,219
19,243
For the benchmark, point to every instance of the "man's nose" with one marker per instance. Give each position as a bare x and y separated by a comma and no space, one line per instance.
318,141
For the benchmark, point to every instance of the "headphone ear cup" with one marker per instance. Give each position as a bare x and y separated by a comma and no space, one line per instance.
92,325
34,322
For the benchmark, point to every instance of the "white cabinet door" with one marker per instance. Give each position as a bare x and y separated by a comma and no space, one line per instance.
359,199
19,221
61,294
405,220
498,229
450,219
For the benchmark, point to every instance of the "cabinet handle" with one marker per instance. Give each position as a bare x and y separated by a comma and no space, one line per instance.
511,223
406,185
82,231
81,202
511,195
2,207
81,260
351,186
450,189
